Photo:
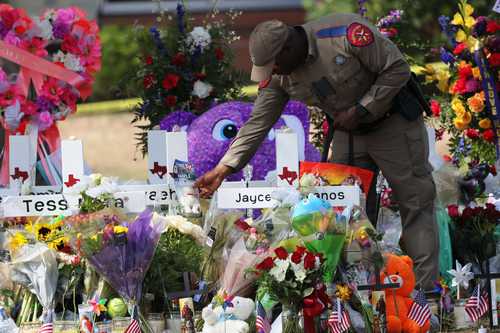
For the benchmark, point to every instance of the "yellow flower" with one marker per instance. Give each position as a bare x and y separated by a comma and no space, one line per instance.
457,19
458,107
59,243
469,22
430,69
476,73
485,123
118,229
17,241
94,237
461,36
443,76
468,9
461,123
476,103
343,292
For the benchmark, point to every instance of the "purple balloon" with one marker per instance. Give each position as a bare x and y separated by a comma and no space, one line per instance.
210,135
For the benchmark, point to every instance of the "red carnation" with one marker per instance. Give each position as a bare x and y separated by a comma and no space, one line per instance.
472,133
309,261
494,59
149,81
148,60
489,135
460,86
281,253
435,108
219,54
297,255
266,265
453,211
170,100
465,71
459,48
179,59
492,27
170,81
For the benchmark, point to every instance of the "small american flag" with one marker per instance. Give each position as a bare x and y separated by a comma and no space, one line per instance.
261,322
46,328
133,327
477,304
420,311
338,321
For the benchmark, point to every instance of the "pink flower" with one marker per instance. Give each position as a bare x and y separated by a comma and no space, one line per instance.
11,38
10,96
472,86
52,91
28,107
65,15
45,120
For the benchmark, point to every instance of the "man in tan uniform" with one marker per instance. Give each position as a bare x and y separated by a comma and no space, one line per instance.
343,64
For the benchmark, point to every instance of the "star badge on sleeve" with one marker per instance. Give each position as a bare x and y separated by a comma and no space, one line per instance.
359,35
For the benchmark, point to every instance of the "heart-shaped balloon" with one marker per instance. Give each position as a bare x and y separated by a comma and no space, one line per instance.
58,52
58,55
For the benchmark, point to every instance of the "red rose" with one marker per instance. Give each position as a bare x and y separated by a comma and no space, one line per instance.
465,72
453,211
459,48
200,76
170,81
219,54
242,225
148,60
435,108
472,133
459,86
297,255
170,100
266,265
492,27
489,135
149,81
468,213
493,170
281,253
309,261
494,59
179,59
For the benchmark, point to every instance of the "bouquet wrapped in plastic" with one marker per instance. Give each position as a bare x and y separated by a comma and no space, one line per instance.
121,252
34,266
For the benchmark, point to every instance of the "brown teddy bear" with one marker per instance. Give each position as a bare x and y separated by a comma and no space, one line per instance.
399,269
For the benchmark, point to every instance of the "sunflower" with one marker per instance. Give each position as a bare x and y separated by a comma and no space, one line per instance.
343,292
17,241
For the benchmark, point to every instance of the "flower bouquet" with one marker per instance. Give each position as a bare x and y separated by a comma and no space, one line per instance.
470,88
473,232
121,253
58,53
293,278
183,67
96,191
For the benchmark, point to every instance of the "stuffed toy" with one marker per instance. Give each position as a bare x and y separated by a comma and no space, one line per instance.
399,269
210,134
228,318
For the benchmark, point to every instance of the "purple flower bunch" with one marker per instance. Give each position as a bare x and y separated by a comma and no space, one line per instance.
180,16
391,19
362,9
448,29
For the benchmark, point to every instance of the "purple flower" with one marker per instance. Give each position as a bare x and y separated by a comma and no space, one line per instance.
3,30
43,104
180,16
472,86
157,40
60,29
449,30
479,28
392,18
446,56
45,120
65,16
362,9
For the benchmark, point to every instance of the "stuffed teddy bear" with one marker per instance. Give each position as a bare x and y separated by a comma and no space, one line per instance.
399,269
232,320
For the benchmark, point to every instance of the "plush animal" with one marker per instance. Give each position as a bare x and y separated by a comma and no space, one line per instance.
210,135
399,269
189,202
231,320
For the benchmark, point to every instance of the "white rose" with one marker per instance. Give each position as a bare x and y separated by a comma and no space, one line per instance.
72,62
280,269
300,271
202,89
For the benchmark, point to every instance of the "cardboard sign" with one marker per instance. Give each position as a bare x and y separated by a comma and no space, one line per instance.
160,194
287,159
20,166
163,149
260,197
59,204
339,196
72,162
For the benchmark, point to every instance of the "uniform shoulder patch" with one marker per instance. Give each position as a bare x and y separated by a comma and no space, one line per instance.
359,35
263,84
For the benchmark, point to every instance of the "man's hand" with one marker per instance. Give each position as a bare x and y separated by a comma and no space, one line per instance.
347,120
210,181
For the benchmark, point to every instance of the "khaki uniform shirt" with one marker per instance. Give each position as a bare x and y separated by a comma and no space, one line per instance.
371,74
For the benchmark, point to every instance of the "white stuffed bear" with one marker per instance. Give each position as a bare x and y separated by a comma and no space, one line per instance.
230,321
189,202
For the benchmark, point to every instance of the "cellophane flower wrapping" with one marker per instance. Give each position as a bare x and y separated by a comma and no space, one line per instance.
35,267
236,281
